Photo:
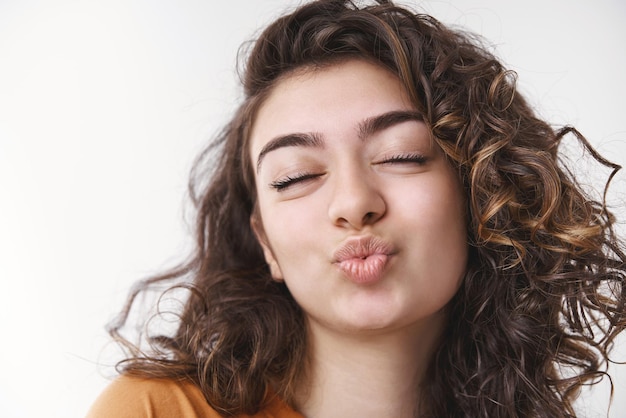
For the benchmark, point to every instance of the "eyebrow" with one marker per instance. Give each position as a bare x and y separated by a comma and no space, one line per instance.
378,123
366,128
300,139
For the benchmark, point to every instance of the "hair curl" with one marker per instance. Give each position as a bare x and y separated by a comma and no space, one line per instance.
543,297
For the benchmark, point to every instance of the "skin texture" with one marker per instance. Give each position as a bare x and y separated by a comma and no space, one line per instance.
358,191
391,184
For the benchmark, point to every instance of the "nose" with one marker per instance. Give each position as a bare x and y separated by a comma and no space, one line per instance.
356,201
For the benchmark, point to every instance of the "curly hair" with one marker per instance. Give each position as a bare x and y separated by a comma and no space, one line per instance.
543,297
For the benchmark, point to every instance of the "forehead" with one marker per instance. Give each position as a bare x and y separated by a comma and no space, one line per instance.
328,100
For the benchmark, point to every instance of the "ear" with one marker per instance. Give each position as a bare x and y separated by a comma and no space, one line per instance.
259,232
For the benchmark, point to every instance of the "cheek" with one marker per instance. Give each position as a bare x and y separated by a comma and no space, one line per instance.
436,198
291,226
451,221
439,247
436,210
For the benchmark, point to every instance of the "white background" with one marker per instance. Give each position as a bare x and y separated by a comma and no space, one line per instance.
104,105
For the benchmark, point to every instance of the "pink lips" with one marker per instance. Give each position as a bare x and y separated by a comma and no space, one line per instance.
363,260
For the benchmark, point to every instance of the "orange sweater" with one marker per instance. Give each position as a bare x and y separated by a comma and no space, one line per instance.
136,397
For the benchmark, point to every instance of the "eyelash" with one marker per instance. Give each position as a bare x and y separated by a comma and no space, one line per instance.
405,158
284,183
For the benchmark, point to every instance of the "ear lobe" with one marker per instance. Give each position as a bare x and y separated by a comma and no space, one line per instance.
259,233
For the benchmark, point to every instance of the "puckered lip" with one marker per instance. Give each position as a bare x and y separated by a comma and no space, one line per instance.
363,247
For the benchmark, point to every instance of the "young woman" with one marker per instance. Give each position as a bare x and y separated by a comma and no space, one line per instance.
384,229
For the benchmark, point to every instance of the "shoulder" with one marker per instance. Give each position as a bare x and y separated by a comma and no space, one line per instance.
141,397
130,396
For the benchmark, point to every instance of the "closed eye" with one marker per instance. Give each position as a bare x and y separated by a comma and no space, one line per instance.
288,181
408,158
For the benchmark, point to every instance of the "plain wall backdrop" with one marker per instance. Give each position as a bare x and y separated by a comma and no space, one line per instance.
105,104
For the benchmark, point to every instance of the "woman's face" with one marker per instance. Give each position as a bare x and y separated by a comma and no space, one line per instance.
359,211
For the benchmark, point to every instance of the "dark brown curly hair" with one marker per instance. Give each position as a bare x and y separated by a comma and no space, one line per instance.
543,298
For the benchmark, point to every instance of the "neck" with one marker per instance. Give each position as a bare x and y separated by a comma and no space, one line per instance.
371,375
